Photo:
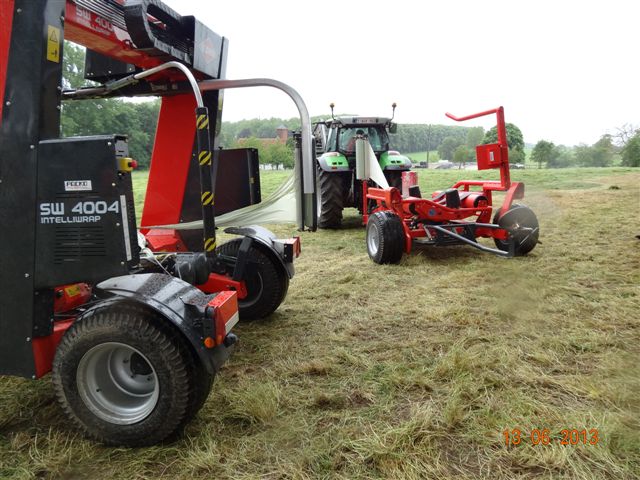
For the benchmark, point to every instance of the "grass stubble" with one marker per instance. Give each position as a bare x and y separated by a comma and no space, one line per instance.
410,371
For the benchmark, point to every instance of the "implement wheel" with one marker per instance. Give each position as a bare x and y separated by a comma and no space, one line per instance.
267,282
331,193
125,377
385,237
522,224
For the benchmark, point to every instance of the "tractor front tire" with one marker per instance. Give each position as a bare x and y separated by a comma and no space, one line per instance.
518,216
267,283
331,198
125,377
385,237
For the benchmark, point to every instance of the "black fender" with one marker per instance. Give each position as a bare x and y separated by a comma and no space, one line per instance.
180,303
269,244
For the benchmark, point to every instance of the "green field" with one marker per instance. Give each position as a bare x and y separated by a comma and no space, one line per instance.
269,181
409,371
417,157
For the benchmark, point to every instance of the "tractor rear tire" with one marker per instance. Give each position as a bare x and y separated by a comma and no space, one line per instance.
331,198
267,282
523,216
126,377
385,237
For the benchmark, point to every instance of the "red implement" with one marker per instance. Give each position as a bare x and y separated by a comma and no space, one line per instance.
458,215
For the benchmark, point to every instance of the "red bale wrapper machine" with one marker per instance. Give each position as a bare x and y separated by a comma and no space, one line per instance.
133,325
459,215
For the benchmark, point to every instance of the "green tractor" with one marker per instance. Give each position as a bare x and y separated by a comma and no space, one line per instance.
337,185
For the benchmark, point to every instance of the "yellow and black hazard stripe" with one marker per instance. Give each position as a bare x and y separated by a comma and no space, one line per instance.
204,157
202,121
210,244
207,198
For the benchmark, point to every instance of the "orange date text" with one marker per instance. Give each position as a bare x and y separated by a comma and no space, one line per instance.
543,436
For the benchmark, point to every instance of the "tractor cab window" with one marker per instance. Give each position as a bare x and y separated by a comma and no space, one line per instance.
347,138
375,140
332,138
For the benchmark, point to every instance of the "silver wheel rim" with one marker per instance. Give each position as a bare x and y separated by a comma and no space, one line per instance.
373,242
117,383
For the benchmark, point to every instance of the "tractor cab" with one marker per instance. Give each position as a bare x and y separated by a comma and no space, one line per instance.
335,139
343,135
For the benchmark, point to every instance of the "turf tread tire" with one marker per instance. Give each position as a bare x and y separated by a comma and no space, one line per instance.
199,390
161,344
526,216
273,278
390,233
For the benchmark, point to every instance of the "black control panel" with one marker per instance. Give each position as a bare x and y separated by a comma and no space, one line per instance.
85,216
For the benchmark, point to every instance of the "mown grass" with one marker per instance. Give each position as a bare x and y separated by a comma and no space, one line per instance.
410,371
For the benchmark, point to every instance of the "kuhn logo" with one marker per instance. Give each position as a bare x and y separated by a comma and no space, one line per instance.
77,185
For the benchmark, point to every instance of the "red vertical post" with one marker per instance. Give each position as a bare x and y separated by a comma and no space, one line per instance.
505,178
409,179
170,161
365,202
6,21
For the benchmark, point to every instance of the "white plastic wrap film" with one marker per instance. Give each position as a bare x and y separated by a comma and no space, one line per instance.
362,171
279,207
373,167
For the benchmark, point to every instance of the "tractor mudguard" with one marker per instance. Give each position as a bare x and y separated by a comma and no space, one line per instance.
333,162
392,160
180,303
277,249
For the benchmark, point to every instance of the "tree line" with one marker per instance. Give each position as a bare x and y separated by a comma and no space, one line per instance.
452,142
106,116
625,144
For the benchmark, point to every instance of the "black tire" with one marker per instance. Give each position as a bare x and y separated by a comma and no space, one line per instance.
331,198
385,237
198,394
202,383
267,282
124,376
518,216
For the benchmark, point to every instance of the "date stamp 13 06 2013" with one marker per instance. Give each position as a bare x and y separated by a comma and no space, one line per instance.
544,436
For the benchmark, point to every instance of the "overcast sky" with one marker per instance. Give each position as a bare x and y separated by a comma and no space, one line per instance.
565,71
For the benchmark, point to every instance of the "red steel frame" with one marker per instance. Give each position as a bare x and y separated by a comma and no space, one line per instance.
172,152
414,211
172,149
6,22
87,28
174,138
167,182
173,144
